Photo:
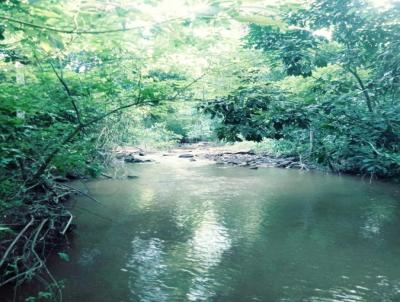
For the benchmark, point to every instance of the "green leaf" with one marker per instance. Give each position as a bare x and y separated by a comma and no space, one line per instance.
64,256
4,229
44,295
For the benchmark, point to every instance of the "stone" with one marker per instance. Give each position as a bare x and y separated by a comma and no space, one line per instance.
186,155
131,159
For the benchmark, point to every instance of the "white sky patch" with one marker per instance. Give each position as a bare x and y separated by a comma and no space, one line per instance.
384,4
167,9
324,32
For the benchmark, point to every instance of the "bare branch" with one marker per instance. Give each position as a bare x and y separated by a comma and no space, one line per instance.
81,192
9,249
68,91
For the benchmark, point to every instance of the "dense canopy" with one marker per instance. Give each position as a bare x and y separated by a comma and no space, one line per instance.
318,80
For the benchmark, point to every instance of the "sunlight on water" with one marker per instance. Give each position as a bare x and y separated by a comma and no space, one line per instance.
210,241
147,263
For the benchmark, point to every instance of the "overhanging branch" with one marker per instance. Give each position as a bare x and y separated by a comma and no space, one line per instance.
79,32
68,91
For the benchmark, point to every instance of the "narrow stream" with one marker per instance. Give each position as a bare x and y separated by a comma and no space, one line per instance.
191,231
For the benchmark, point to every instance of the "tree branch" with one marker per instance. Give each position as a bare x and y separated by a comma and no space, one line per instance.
68,91
181,90
9,249
79,32
363,88
80,127
50,157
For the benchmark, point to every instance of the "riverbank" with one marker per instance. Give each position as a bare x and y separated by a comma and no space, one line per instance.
239,154
220,154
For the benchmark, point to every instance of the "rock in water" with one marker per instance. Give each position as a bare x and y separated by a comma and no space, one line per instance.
132,159
186,155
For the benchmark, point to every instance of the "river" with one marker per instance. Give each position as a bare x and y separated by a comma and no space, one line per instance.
196,231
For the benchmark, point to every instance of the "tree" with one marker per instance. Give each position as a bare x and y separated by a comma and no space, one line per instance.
344,102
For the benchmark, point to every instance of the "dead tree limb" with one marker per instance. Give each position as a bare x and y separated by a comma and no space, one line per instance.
10,247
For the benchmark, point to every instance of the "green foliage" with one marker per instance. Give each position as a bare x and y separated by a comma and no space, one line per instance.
65,72
295,48
63,256
280,147
343,113
156,136
238,113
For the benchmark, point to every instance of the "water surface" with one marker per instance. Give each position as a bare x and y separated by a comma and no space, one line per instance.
188,231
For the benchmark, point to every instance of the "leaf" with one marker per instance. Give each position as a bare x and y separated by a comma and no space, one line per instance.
44,295
4,229
64,256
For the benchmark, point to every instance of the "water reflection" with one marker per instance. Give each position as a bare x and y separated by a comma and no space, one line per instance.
376,216
206,249
146,198
210,240
146,265
382,290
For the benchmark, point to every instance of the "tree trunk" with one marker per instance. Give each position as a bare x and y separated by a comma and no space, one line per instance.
363,89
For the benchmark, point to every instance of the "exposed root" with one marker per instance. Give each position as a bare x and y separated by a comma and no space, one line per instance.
39,227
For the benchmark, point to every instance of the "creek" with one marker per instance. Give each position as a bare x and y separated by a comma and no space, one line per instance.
196,231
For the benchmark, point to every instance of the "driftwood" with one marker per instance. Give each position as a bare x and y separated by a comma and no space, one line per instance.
68,223
82,193
106,175
11,246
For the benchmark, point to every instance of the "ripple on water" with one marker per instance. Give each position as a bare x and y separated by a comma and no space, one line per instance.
146,266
